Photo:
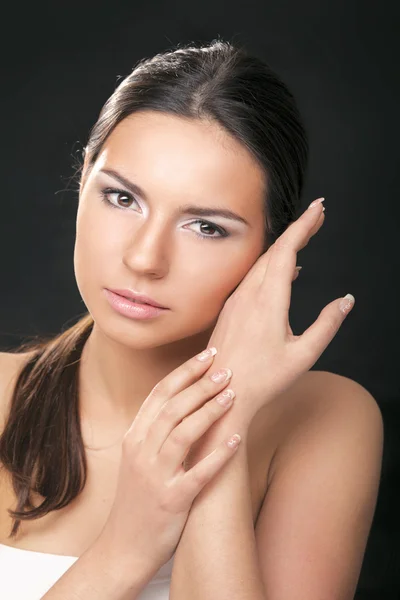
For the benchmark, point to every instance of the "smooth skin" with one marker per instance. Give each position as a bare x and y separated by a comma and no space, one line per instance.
310,534
155,490
144,242
262,303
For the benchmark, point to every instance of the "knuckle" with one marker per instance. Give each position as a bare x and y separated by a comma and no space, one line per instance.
332,321
167,412
203,387
281,257
192,367
179,436
213,410
129,442
167,499
199,478
206,385
332,325
281,244
159,390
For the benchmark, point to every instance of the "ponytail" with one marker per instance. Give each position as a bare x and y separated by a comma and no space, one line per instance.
41,445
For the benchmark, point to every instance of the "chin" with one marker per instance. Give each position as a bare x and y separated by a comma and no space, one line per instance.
137,335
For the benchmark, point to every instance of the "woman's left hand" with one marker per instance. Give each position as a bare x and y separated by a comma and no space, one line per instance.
253,336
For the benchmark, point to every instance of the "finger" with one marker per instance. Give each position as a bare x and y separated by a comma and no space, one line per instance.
256,274
176,381
275,290
319,335
182,437
316,228
198,476
296,273
180,406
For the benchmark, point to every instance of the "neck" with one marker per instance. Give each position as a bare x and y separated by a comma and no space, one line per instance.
116,379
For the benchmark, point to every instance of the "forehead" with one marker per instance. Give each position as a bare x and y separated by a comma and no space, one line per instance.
184,156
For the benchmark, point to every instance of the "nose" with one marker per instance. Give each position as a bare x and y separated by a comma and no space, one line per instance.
147,249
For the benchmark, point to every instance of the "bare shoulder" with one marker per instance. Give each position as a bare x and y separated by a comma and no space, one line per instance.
11,365
322,487
325,408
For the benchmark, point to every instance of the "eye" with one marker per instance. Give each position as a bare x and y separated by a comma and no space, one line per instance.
222,233
126,197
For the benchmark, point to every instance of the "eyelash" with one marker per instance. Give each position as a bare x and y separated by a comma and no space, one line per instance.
107,191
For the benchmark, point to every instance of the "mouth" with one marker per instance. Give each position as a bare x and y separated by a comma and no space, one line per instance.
133,308
137,298
137,301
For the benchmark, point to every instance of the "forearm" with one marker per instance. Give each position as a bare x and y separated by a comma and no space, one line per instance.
216,558
95,577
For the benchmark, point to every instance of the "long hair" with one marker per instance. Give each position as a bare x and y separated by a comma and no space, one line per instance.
41,445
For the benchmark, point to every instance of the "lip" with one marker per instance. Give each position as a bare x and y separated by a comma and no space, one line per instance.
131,294
131,309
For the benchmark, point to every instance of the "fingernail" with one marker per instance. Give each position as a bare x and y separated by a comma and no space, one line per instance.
316,202
226,398
206,354
234,441
221,375
347,303
296,272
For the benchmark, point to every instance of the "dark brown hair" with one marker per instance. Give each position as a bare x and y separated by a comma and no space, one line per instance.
41,444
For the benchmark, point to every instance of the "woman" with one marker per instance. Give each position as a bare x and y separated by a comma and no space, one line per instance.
117,478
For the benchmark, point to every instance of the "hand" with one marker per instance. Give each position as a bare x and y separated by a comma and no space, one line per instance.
253,336
154,491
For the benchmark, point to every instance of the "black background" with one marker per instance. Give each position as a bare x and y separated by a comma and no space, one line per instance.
61,61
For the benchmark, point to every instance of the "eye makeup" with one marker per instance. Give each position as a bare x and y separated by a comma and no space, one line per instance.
105,194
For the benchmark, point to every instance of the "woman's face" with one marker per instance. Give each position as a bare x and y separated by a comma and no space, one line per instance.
149,242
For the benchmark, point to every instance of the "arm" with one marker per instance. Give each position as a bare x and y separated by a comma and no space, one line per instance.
216,558
98,576
313,526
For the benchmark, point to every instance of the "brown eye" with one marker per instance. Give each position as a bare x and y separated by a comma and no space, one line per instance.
121,199
124,199
206,226
221,233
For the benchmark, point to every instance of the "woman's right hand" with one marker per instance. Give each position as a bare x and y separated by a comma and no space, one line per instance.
154,491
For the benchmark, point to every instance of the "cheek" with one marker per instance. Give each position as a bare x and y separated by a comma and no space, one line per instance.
209,283
93,247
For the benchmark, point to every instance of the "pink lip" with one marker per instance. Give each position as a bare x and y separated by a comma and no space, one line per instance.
131,309
131,294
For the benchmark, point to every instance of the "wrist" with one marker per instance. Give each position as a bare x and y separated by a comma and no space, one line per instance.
127,574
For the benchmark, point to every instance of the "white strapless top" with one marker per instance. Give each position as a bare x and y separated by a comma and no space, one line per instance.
28,575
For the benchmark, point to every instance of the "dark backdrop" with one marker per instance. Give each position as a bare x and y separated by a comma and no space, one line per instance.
61,61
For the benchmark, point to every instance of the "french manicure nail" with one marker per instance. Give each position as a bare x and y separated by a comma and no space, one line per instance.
296,273
316,202
347,303
221,375
206,354
234,441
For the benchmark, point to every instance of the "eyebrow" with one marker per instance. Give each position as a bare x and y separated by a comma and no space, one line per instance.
188,209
